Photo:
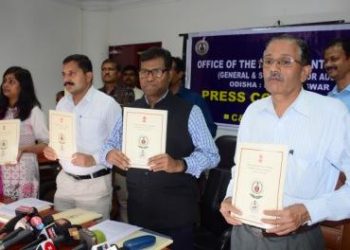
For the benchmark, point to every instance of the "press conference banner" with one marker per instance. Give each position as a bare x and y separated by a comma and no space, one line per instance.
225,68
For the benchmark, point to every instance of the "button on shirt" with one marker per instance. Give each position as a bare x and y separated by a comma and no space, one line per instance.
316,129
343,95
204,156
95,116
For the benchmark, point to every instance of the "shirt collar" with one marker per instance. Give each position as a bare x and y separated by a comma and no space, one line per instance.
163,96
300,104
87,97
335,91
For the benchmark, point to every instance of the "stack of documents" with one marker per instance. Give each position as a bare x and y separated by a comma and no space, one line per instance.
77,216
118,232
8,211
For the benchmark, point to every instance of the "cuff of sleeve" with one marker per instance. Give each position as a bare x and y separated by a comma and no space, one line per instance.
102,157
317,211
191,169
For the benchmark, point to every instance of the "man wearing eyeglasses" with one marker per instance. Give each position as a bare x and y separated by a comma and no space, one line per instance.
164,198
316,129
337,65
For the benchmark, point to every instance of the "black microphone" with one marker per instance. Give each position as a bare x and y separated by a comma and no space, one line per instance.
21,225
21,211
22,235
56,231
10,225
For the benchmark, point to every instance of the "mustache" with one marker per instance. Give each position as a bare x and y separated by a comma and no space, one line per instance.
275,76
68,83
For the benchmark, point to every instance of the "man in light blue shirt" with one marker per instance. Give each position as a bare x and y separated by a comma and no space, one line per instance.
337,65
316,129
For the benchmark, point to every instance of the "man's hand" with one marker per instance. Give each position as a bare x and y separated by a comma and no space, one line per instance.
117,158
83,160
165,162
50,153
228,210
287,220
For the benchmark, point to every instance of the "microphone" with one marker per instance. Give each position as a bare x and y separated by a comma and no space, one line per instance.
22,235
21,211
10,225
89,239
46,245
21,225
56,231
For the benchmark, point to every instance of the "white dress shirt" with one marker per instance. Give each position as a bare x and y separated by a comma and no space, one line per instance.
317,130
95,116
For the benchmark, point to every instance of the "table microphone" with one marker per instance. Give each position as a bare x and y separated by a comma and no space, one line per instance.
89,239
21,211
22,235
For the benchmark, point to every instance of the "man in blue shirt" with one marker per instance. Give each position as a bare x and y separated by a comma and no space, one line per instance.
177,87
316,130
337,65
164,197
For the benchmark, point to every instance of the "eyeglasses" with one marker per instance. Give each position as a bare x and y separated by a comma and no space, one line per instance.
156,73
285,61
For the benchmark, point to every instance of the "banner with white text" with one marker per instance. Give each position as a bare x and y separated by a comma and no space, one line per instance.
225,68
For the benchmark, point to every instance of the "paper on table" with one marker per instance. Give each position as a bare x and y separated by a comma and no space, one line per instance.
114,230
8,211
78,216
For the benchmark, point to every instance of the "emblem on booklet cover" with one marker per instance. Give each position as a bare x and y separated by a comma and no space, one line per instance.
201,47
254,206
3,147
256,188
143,145
61,140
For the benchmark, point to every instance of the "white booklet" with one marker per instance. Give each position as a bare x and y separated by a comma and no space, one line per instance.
114,230
144,134
9,141
259,180
62,134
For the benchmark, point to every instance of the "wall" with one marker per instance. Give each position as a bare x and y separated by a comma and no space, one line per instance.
38,34
164,20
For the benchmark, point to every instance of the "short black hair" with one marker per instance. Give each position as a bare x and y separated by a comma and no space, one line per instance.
342,42
179,64
130,68
83,62
112,61
156,52
305,58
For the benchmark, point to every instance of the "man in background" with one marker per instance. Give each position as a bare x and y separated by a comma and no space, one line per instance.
337,66
84,181
111,74
177,87
130,77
